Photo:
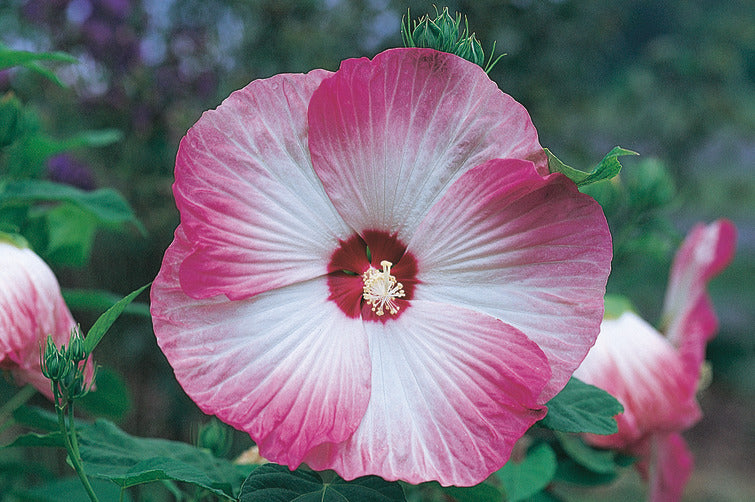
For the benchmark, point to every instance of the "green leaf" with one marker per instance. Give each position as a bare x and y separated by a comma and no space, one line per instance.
37,418
29,60
70,234
10,57
484,492
109,453
109,399
571,472
599,461
581,407
98,300
103,323
52,439
272,482
107,205
71,490
606,168
524,479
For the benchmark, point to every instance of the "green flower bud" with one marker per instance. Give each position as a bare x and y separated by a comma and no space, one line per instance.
471,49
53,363
68,374
427,34
215,437
76,350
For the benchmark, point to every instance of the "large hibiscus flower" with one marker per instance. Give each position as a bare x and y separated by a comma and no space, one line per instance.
31,307
375,273
656,377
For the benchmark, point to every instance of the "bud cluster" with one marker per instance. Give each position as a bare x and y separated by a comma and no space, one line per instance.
65,367
444,33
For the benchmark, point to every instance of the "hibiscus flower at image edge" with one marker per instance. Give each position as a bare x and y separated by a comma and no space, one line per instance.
374,272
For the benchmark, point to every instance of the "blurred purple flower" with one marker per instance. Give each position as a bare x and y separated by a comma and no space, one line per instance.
65,169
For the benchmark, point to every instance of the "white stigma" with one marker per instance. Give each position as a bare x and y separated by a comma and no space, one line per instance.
381,289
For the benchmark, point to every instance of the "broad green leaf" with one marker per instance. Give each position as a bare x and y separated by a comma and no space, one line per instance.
571,472
70,234
606,168
51,439
109,453
581,407
109,399
103,323
599,461
37,418
524,479
272,482
98,300
484,492
107,205
71,490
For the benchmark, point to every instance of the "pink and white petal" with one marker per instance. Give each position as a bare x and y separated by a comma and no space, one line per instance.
388,136
670,468
31,307
251,205
286,366
529,250
452,391
633,362
688,317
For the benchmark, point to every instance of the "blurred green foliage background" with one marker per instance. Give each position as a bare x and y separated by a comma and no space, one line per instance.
672,80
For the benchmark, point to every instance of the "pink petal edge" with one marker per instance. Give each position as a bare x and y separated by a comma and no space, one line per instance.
687,313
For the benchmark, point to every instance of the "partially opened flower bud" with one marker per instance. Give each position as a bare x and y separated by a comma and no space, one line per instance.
32,315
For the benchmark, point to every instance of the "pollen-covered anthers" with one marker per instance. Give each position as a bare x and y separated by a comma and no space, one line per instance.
381,289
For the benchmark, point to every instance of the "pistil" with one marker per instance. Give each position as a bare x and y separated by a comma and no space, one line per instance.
381,289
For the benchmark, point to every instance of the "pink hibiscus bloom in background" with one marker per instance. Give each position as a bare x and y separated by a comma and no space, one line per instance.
656,377
31,307
375,273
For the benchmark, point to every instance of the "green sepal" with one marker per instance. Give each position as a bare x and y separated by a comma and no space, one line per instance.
277,482
605,170
582,407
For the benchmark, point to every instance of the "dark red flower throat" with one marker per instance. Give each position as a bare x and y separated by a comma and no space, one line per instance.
354,258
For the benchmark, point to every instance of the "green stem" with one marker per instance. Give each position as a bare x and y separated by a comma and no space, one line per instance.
72,444
14,403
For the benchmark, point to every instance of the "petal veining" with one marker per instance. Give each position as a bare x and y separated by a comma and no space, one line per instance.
251,205
452,391
287,365
388,136
531,251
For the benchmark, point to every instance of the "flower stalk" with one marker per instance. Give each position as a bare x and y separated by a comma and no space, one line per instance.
65,367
